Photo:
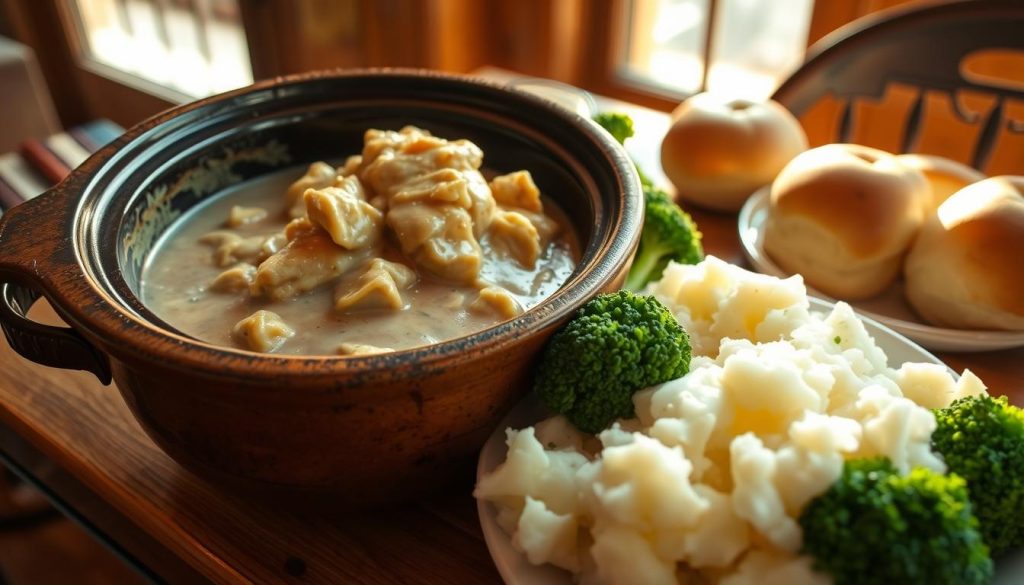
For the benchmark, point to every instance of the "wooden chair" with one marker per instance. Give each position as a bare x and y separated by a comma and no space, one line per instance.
944,50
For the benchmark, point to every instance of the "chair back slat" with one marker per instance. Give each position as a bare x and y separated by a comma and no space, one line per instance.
987,138
846,122
912,131
925,48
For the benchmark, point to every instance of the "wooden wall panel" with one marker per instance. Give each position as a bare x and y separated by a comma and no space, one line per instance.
459,35
34,24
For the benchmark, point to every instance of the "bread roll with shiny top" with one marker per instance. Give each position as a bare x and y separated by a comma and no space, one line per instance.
843,216
945,176
719,151
966,269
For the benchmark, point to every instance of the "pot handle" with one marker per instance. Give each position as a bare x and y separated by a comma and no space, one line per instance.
59,347
26,246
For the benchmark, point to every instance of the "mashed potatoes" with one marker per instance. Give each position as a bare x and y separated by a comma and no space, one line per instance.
706,484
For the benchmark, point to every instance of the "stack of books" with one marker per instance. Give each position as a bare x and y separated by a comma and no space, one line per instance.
41,164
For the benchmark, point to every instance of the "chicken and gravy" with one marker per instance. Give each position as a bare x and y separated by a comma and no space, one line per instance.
404,245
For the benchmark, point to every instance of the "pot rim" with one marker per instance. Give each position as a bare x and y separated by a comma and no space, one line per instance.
127,336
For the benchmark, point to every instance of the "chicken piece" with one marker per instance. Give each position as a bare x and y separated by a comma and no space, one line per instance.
454,300
381,171
344,214
494,299
361,349
378,286
223,243
410,140
483,208
513,234
298,227
308,261
446,186
439,238
390,171
517,190
263,331
272,244
380,202
231,248
412,166
453,154
384,142
352,166
248,250
318,176
239,216
465,189
547,228
459,154
416,141
235,279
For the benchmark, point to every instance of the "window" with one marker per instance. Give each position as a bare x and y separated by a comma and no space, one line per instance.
741,48
193,47
128,59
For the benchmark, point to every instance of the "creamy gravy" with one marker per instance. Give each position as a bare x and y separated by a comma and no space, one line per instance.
176,284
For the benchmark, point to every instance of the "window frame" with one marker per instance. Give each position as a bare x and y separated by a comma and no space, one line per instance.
580,42
604,35
73,20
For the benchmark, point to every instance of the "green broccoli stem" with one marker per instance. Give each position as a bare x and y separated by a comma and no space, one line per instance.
643,265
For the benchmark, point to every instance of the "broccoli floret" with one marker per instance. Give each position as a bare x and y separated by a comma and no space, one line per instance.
982,440
620,126
616,344
669,234
877,526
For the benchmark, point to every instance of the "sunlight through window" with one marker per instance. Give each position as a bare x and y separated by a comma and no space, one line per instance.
195,47
748,49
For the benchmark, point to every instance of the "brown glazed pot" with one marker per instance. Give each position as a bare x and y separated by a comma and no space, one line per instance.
356,429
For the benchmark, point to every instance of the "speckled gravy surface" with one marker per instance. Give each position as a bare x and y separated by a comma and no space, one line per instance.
176,279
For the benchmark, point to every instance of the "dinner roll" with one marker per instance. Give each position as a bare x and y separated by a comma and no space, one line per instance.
966,268
718,152
945,176
843,215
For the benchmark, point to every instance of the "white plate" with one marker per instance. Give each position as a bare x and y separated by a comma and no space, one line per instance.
516,570
889,307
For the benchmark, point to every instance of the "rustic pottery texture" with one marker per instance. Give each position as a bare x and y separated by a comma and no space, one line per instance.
355,430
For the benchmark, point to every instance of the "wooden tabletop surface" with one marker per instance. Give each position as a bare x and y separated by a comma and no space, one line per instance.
78,440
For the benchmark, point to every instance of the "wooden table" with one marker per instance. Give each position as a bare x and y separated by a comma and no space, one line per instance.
77,441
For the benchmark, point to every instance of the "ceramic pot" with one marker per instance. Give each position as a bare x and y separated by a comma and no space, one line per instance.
353,429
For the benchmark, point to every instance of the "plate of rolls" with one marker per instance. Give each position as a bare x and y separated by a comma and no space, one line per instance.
928,246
